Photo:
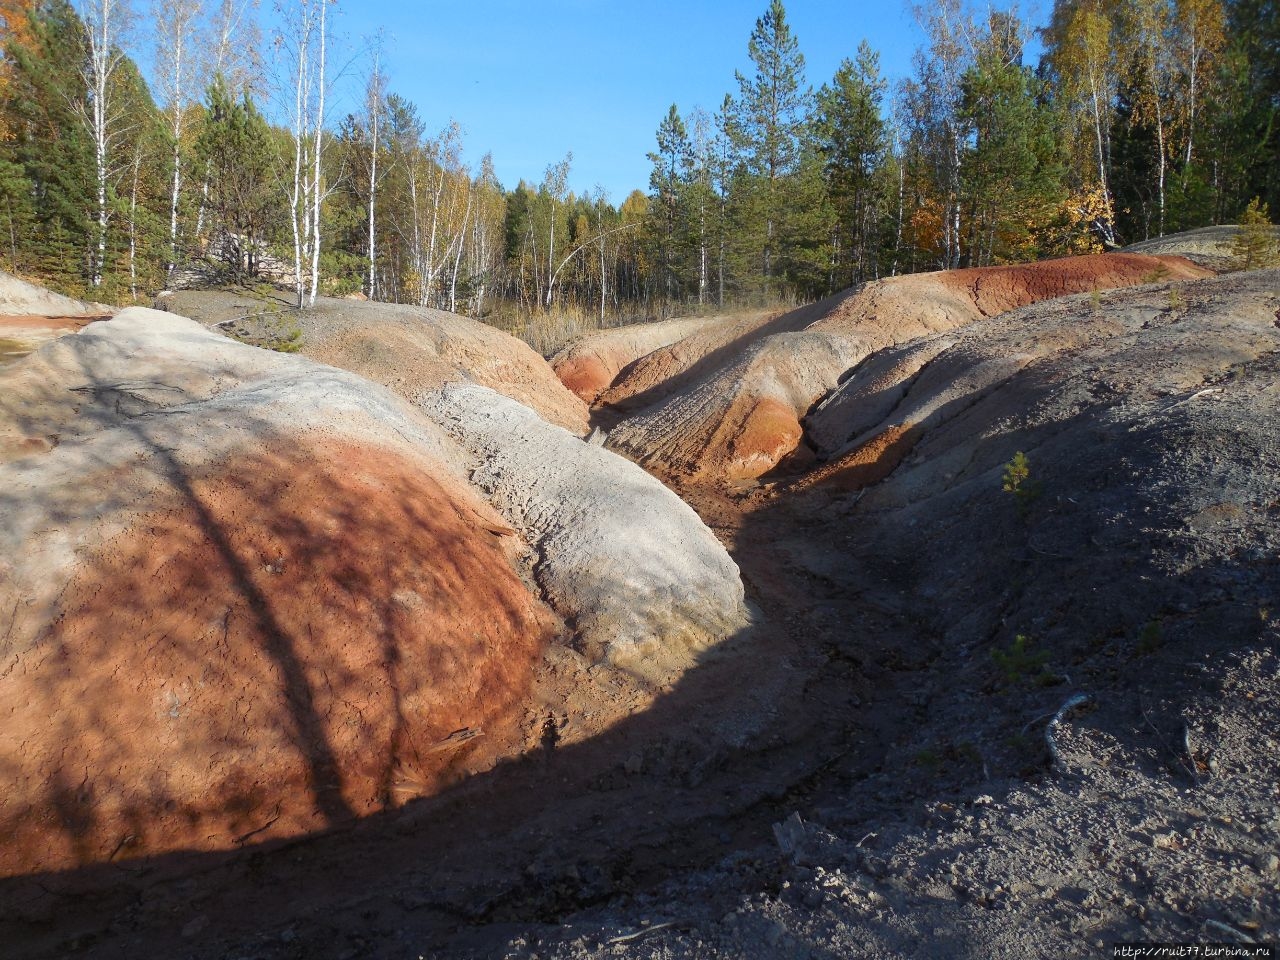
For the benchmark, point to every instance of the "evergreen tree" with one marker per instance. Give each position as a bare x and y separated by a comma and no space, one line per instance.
50,147
766,122
1255,27
1010,174
138,252
245,205
1256,245
669,194
850,132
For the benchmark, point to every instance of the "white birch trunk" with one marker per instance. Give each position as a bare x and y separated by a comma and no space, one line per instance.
296,197
375,113
316,193
103,21
133,225
457,259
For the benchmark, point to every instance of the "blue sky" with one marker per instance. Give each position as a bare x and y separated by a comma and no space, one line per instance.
530,80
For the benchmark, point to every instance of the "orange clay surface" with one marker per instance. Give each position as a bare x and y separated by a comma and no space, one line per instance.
295,638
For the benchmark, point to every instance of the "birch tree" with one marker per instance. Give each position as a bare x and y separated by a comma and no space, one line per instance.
935,97
176,23
1151,30
554,186
303,42
106,22
485,251
1083,56
375,91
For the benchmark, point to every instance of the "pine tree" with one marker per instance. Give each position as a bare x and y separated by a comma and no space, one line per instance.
1256,245
235,146
766,122
850,133
668,193
1010,174
48,155
1255,27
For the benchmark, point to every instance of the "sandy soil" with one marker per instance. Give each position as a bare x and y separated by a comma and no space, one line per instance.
21,298
19,335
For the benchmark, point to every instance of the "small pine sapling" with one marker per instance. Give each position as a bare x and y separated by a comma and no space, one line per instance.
1256,245
1020,664
1017,482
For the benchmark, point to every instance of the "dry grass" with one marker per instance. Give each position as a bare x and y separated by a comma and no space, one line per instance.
549,331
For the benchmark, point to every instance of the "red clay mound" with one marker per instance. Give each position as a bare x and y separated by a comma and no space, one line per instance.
278,644
245,596
948,298
697,399
412,350
680,364
589,365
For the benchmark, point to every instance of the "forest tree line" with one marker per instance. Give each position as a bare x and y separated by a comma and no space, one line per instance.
1142,117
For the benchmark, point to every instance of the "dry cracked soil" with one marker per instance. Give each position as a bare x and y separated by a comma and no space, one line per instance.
972,712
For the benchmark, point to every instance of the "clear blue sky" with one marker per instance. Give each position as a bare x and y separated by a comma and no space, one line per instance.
530,80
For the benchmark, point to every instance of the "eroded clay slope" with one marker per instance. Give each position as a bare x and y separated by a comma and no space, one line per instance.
675,366
249,596
736,411
942,398
1090,754
18,297
31,315
591,364
407,349
629,563
255,603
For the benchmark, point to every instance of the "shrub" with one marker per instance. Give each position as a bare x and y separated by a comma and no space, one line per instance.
1256,244
1020,664
1017,482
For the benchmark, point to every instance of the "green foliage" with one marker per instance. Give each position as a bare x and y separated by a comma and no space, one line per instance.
1012,177
1120,133
849,132
669,208
1022,665
245,206
765,124
1017,482
1257,244
1151,638
928,759
48,158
